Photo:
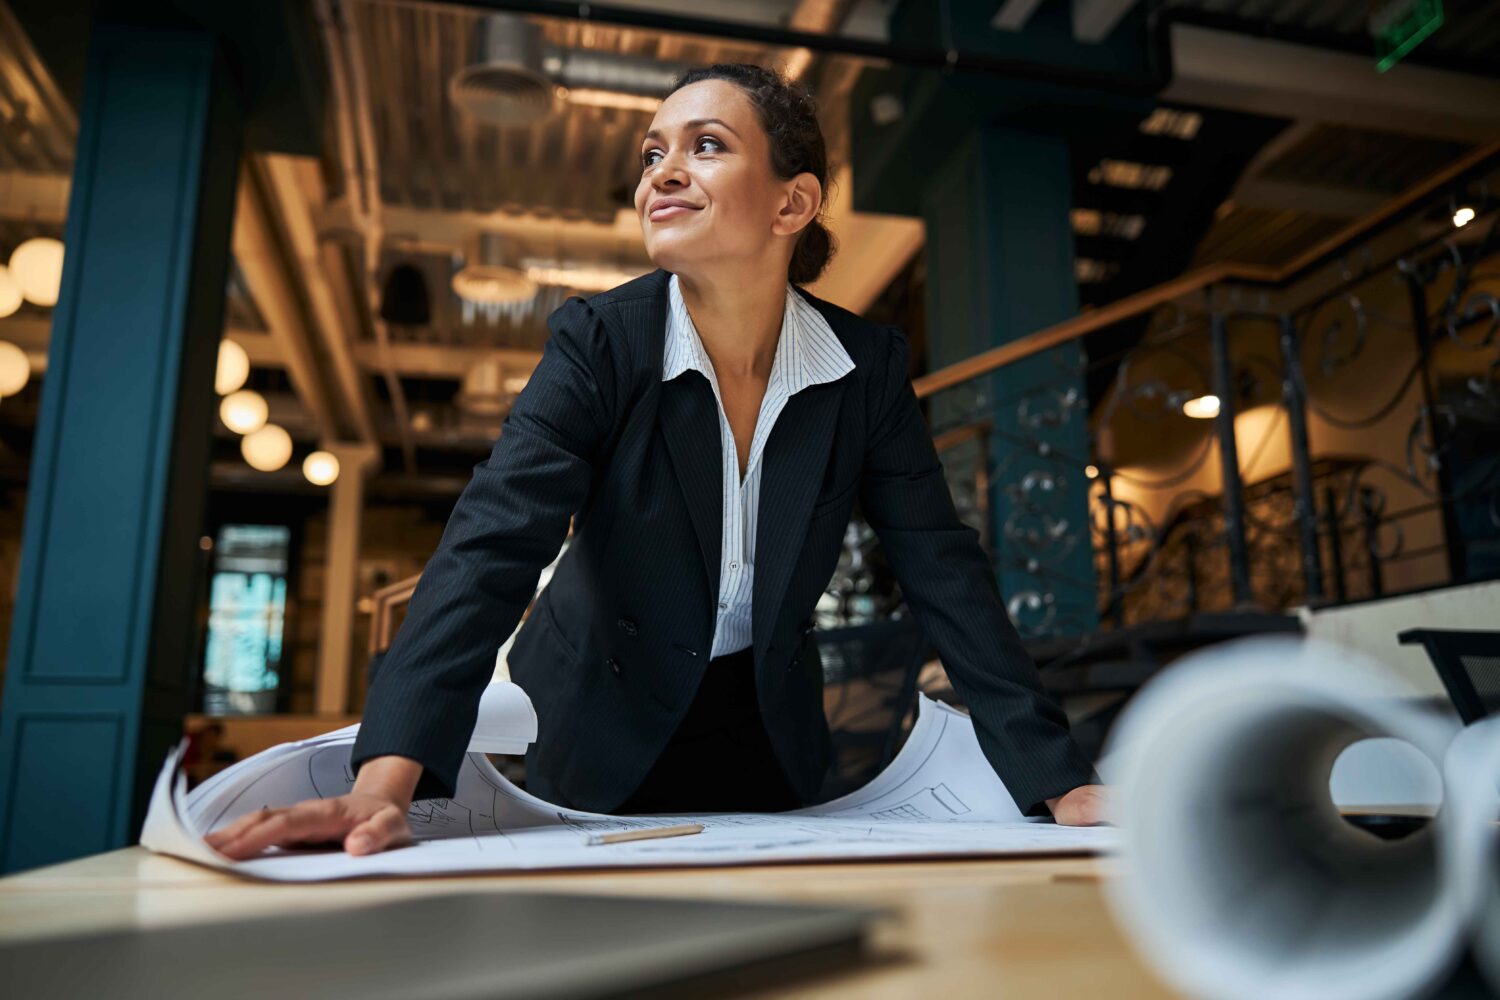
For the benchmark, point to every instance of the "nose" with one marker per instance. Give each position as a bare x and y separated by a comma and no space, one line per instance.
669,172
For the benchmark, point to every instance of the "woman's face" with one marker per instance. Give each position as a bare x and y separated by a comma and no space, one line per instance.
707,192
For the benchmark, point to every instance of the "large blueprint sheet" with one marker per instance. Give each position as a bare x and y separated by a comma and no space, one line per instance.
939,797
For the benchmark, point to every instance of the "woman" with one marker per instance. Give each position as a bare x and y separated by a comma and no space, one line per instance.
710,425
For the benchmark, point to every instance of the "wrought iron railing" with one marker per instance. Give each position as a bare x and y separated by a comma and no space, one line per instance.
1355,451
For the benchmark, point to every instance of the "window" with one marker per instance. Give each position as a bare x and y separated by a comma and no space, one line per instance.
246,618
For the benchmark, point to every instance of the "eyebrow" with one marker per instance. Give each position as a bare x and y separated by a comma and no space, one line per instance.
696,123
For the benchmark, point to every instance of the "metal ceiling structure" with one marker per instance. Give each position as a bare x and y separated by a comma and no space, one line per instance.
303,299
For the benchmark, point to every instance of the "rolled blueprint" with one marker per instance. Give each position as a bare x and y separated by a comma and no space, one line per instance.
1472,770
1240,878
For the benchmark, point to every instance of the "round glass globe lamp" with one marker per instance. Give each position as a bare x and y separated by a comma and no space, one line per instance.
36,265
321,468
268,449
244,412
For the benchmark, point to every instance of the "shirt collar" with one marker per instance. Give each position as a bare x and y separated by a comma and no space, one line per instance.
807,353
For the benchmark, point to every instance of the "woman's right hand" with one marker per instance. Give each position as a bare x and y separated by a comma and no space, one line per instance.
370,818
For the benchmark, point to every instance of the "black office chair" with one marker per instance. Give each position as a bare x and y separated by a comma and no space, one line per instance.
1468,663
869,690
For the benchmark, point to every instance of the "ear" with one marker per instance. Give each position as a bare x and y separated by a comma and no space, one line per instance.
803,196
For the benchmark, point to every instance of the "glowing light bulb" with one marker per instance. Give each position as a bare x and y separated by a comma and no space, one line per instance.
1202,407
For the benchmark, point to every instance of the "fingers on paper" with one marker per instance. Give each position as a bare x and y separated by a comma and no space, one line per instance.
305,823
387,828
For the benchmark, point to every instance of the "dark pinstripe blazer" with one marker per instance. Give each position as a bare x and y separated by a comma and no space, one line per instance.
613,651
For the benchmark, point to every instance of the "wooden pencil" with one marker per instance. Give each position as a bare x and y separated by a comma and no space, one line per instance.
681,830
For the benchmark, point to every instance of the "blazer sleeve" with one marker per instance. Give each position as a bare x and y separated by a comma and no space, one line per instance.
507,526
950,585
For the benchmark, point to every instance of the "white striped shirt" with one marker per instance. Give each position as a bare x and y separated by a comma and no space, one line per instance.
807,353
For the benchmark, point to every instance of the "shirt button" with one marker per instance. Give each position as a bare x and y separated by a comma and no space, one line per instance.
614,665
734,565
723,604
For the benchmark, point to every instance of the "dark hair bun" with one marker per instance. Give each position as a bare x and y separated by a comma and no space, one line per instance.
789,116
815,248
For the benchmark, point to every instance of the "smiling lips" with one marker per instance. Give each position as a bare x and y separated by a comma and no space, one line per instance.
669,208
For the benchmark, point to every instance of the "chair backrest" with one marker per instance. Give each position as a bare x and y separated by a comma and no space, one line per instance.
869,689
1468,663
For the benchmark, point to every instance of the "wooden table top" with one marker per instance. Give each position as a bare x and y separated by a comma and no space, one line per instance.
1021,927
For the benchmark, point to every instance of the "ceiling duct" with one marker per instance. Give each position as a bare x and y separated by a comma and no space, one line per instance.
514,76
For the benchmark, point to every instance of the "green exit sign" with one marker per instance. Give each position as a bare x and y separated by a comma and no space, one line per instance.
1400,26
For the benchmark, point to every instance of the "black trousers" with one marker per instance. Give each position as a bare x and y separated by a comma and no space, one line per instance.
719,759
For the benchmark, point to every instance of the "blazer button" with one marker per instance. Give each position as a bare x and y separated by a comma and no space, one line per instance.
627,626
614,665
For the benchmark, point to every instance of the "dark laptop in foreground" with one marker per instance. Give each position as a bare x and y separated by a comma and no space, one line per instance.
459,945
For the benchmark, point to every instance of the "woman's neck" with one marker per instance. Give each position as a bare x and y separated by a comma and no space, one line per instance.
738,318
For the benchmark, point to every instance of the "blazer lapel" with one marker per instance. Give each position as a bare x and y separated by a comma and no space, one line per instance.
690,422
792,467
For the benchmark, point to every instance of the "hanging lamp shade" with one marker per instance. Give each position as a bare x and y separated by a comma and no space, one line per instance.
488,280
10,293
404,299
36,265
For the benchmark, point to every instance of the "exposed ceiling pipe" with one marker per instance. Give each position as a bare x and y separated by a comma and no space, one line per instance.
514,77
262,261
821,17
356,132
951,59
335,326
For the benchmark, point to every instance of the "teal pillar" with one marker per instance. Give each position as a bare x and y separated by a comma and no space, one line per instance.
102,656
1000,266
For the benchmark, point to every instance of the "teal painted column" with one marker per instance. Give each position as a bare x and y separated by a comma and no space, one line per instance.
1000,266
102,658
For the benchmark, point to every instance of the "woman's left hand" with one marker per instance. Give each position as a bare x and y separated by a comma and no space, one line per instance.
1085,805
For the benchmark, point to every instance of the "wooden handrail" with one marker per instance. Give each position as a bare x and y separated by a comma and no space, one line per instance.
1197,280
958,435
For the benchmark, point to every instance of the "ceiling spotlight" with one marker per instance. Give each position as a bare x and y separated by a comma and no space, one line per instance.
233,367
1092,471
244,412
1463,216
1201,407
